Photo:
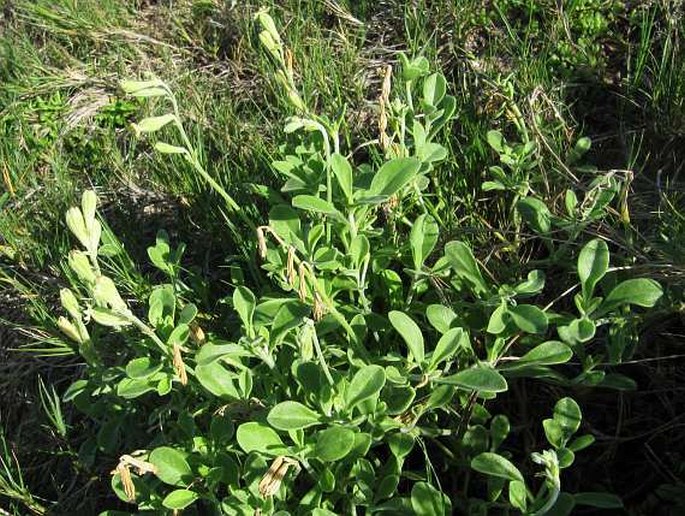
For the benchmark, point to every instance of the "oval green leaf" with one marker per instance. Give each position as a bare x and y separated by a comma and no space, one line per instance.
593,263
440,317
428,501
393,175
153,123
254,436
315,204
107,317
141,368
479,378
495,465
218,380
535,213
334,443
465,266
529,318
291,415
130,388
567,413
171,466
365,384
343,173
448,345
422,239
180,499
548,353
639,291
410,333
244,302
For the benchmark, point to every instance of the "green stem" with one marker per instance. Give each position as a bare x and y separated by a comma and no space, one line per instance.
147,331
322,360
550,502
194,160
410,100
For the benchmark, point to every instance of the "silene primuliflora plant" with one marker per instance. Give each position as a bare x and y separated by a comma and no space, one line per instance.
370,364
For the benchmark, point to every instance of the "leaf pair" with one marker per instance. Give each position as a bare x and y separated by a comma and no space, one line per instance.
593,264
83,224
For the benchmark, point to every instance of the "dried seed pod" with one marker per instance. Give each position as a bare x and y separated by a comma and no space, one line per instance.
383,138
197,335
179,366
126,480
290,268
318,308
385,90
302,290
141,466
261,243
271,482
384,101
289,62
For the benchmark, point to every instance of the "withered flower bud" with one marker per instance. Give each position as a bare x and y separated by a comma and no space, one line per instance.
179,366
261,243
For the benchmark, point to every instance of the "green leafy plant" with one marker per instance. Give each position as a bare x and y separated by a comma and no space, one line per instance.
374,344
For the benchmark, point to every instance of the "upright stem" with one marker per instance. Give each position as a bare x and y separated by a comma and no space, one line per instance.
550,502
146,330
194,160
322,360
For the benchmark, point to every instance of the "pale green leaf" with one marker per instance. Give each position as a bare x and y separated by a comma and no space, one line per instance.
535,213
426,500
153,123
479,378
334,443
448,345
343,173
440,317
410,333
394,175
166,148
638,291
465,266
218,380
548,353
171,466
107,317
529,318
434,89
254,436
366,383
244,302
180,499
292,415
495,465
423,237
593,263
315,204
